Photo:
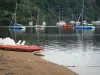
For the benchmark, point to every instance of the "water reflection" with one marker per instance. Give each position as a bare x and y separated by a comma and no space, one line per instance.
40,31
85,39
75,50
4,32
16,32
79,48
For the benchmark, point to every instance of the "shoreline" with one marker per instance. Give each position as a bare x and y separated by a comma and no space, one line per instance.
26,63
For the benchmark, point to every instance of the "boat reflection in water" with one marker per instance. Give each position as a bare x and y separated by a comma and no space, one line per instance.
40,30
85,33
17,31
78,50
84,37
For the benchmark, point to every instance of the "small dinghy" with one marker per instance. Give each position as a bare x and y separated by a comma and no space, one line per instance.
38,53
24,48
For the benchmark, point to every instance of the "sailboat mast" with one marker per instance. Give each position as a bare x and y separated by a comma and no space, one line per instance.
37,23
15,14
43,17
59,14
82,11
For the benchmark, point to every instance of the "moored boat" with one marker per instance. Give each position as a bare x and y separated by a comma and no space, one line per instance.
61,23
67,26
17,27
14,24
83,24
84,27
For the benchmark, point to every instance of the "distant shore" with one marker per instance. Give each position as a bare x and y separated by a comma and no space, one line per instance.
25,63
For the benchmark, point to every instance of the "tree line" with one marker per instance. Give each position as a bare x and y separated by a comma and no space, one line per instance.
28,10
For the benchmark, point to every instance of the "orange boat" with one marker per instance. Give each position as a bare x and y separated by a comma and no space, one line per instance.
24,48
66,26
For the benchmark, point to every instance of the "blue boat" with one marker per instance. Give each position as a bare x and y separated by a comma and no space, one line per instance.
83,24
84,27
14,24
17,27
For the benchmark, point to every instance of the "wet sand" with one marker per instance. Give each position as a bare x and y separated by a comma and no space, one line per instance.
26,63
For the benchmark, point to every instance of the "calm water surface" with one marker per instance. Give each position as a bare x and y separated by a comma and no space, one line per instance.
79,48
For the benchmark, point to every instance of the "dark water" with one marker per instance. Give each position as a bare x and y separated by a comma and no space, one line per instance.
80,48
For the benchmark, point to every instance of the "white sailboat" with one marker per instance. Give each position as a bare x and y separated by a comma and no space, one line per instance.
15,24
37,22
84,25
61,22
77,23
97,22
72,22
43,23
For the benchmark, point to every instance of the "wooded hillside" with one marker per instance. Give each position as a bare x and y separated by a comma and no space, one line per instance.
27,9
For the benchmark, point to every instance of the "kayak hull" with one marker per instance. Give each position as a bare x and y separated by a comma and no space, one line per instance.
24,48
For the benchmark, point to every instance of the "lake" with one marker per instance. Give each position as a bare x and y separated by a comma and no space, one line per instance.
68,47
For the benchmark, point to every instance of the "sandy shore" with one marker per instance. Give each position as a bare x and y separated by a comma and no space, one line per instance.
24,63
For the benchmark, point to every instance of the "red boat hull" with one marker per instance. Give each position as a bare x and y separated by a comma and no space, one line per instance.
66,26
24,48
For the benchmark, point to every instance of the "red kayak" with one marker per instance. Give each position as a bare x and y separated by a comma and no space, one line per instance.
25,48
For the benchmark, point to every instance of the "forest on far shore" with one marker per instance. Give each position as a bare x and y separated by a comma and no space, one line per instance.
49,9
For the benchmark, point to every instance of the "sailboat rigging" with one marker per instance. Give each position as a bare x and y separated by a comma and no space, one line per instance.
15,24
43,23
61,22
83,23
38,20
